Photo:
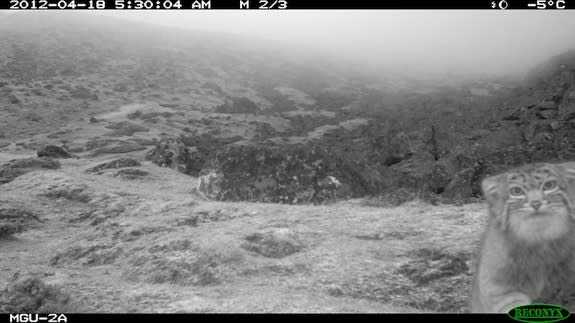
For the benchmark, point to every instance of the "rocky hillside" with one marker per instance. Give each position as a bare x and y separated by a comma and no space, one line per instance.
146,169
214,105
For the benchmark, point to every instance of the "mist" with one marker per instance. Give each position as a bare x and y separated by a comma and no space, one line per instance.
416,43
410,42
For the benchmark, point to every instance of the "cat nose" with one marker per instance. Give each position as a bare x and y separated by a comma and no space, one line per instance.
536,204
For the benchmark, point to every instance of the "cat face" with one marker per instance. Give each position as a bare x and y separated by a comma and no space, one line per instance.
532,201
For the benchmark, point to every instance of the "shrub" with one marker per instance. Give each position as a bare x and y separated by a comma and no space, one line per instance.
32,295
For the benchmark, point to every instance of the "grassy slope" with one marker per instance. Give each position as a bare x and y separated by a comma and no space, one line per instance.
355,258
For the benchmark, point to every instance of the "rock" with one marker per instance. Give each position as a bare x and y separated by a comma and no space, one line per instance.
18,167
154,115
80,92
8,229
33,163
169,105
264,130
546,106
9,174
555,125
547,110
494,125
478,134
172,152
116,163
144,141
94,120
53,152
131,173
514,116
536,128
461,186
420,174
238,105
439,178
117,147
97,142
13,99
15,220
569,116
76,148
398,150
213,86
285,174
124,128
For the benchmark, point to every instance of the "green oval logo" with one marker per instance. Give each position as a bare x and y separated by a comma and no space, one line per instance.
540,313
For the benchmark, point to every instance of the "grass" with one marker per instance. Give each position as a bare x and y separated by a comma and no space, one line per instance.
244,256
71,194
32,295
430,281
94,255
9,229
15,220
201,270
271,245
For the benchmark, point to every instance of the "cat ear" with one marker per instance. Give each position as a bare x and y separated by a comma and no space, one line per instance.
494,191
567,172
568,169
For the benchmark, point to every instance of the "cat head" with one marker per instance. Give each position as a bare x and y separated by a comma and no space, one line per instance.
534,200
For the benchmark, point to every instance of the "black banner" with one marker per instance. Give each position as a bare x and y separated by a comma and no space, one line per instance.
285,4
245,318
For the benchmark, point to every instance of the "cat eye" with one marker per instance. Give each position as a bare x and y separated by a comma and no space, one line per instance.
516,191
549,185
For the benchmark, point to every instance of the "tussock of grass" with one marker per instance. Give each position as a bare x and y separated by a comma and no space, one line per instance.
32,295
200,271
271,245
8,229
95,255
432,264
432,281
15,220
182,262
75,194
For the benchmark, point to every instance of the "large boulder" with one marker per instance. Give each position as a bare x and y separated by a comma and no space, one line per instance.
283,174
420,174
172,152
399,149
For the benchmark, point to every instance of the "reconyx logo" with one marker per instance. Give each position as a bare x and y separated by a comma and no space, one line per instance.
540,313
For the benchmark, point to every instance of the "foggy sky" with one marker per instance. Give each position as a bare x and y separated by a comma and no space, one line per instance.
492,42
